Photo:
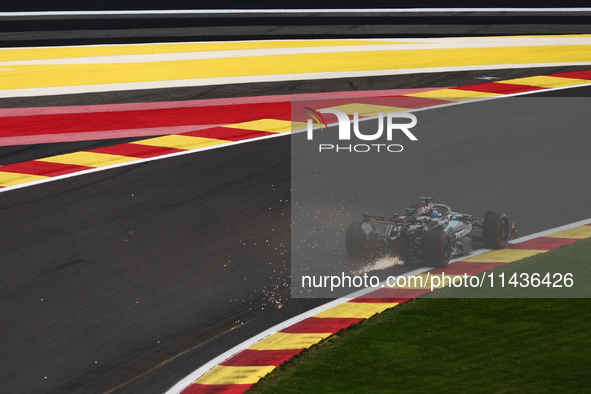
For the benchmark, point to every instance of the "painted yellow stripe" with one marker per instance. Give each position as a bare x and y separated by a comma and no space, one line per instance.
424,281
545,81
287,341
453,94
21,54
268,125
11,178
575,232
38,76
367,109
503,256
185,142
298,126
222,374
89,159
358,310
419,281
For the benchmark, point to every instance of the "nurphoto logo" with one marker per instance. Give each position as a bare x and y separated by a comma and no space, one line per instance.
345,131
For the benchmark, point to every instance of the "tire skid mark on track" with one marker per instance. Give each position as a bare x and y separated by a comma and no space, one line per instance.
237,372
242,122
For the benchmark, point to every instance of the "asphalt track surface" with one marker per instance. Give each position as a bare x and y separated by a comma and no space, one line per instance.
126,280
108,276
16,5
43,30
524,156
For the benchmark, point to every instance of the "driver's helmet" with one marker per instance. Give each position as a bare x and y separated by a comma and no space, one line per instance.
434,214
425,210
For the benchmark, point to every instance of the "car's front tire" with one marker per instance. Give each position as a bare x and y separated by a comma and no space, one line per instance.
436,248
496,230
356,241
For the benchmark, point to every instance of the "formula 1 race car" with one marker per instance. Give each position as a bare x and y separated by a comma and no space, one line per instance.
429,232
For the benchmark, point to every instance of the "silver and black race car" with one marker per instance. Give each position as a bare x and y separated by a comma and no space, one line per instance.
429,232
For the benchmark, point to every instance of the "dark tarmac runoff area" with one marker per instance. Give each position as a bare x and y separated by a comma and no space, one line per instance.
273,21
108,276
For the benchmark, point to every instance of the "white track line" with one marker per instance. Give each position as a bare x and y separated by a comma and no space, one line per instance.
135,162
499,40
177,388
181,385
296,11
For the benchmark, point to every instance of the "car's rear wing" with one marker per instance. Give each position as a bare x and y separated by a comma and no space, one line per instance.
390,220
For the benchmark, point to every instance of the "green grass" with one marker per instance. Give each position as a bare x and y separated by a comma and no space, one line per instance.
572,259
457,345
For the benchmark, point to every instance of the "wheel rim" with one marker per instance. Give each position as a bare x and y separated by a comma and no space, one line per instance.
503,232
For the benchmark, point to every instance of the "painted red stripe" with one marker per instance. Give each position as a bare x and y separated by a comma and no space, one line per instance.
42,168
85,122
500,88
321,325
298,111
136,150
463,267
228,133
249,357
100,135
94,120
286,117
201,103
403,101
195,388
543,243
574,74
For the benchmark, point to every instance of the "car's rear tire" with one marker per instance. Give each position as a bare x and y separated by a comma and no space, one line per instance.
496,230
436,248
356,241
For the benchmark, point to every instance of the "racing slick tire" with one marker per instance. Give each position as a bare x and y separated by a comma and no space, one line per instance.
356,241
495,230
436,248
